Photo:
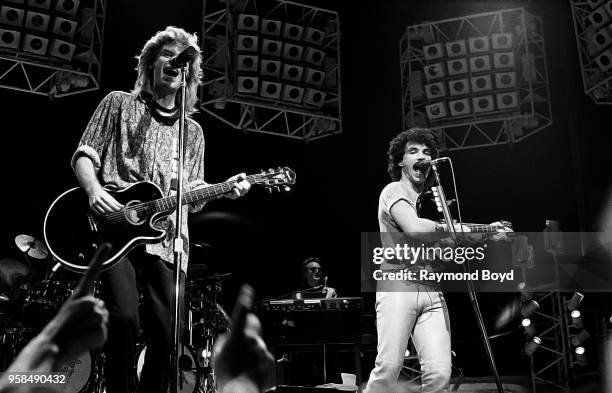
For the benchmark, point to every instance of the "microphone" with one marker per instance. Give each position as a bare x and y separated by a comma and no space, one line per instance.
424,165
183,58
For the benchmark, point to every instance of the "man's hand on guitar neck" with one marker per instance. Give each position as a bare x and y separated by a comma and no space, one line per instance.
241,186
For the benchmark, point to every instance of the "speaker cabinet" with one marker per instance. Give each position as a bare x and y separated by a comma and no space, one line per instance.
503,60
435,90
292,32
456,48
62,49
11,16
314,77
314,98
481,83
270,68
247,43
247,63
433,51
68,7
314,56
271,48
293,94
36,45
314,36
247,84
293,52
436,111
501,40
460,107
459,87
271,27
37,21
505,80
248,22
482,104
64,27
457,66
479,44
507,100
270,90
434,71
480,63
9,39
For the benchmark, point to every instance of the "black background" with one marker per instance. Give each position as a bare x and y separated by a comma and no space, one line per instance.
560,173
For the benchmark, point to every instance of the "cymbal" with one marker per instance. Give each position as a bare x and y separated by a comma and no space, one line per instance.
31,246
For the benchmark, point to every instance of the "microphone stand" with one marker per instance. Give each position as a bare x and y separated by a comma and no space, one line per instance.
470,284
178,241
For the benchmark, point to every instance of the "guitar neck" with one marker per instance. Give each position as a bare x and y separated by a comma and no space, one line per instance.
203,194
481,228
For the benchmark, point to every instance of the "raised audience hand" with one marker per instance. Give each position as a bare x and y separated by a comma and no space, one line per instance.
241,361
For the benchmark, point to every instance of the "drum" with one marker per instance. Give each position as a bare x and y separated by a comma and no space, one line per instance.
44,301
78,374
190,377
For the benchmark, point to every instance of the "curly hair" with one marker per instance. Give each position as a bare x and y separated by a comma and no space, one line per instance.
397,148
150,52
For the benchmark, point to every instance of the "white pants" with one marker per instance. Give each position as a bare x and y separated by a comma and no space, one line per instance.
397,313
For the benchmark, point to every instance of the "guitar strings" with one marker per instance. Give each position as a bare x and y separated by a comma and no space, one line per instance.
206,192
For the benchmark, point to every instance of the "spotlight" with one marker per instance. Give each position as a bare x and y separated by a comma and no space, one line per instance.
529,308
528,327
580,357
526,294
575,301
576,319
532,345
579,338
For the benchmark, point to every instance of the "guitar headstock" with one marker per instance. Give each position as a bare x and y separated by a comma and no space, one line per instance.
275,179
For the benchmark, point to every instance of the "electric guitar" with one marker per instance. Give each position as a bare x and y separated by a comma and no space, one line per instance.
73,232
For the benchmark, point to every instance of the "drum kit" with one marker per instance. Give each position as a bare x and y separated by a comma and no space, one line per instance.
31,294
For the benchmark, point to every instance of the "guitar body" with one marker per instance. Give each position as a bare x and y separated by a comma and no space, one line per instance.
73,231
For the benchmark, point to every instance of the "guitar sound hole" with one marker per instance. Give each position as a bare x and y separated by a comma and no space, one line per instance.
132,214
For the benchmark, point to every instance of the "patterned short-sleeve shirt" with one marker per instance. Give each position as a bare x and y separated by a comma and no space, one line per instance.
127,143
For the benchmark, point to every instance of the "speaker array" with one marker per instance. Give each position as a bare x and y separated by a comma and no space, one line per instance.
470,77
280,61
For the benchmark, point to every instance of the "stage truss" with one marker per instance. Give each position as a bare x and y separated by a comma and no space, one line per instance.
218,96
597,84
534,111
42,75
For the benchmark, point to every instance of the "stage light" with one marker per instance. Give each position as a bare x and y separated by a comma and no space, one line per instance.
459,87
270,90
293,94
576,318
433,51
480,63
271,48
460,107
292,32
457,66
247,84
580,356
604,61
64,27
11,16
36,45
37,21
247,63
314,36
62,49
478,44
292,72
532,345
575,301
528,327
247,43
529,308
481,83
456,48
293,52
501,40
9,39
68,7
503,59
314,56
483,104
314,98
435,90
248,22
436,111
598,18
526,294
270,68
504,80
434,71
314,77
580,338
507,100
271,27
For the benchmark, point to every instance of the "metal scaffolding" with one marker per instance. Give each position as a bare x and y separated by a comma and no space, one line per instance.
597,84
43,75
221,100
533,112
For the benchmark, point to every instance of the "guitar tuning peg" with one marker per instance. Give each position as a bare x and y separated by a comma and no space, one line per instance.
277,188
269,189
287,188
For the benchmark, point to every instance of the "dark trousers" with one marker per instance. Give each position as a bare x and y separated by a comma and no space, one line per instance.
121,296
